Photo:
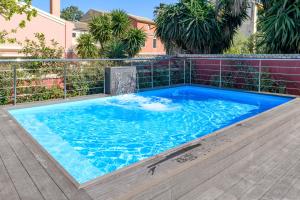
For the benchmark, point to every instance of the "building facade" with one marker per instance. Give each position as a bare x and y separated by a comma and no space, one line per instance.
66,33
50,24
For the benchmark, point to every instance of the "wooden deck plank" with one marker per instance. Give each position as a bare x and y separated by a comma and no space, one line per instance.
294,191
7,189
282,186
42,180
21,180
260,188
255,172
239,189
240,175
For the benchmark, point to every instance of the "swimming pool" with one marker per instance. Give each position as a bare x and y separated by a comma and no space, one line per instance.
91,138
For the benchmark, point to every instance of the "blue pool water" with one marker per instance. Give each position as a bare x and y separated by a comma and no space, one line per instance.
94,137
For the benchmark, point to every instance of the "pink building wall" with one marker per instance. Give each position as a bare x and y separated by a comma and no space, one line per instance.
149,29
53,27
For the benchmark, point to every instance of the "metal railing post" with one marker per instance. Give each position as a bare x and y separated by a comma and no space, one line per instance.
104,80
184,71
220,74
190,71
65,82
169,72
137,81
15,84
259,77
152,75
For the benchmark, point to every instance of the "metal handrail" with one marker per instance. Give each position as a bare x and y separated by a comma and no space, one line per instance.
82,60
249,59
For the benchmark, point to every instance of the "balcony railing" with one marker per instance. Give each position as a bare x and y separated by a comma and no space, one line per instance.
43,79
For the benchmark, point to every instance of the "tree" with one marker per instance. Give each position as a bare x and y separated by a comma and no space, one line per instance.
71,13
8,8
39,49
115,49
116,35
86,47
120,23
100,28
199,26
279,24
134,41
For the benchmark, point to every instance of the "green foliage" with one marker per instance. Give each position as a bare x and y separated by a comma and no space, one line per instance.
280,26
9,8
115,49
6,76
32,76
100,28
199,26
134,41
39,49
244,45
86,47
239,46
120,23
86,80
71,13
116,36
42,93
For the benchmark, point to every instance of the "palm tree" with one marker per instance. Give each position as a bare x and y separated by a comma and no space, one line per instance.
86,47
101,29
200,26
134,41
120,23
116,36
115,49
280,26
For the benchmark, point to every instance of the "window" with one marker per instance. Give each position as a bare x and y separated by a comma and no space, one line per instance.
154,43
74,35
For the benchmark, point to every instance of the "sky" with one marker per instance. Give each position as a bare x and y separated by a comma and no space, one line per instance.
143,8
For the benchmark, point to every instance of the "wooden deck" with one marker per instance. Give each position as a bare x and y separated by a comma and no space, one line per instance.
256,159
